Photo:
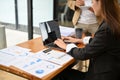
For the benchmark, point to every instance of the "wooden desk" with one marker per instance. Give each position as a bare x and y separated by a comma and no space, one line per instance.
35,45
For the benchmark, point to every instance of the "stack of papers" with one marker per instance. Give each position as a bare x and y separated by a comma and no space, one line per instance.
39,64
57,57
10,54
16,50
5,59
35,66
67,31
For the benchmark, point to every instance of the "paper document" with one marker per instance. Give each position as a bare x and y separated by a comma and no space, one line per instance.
5,59
16,50
66,31
10,54
54,56
35,66
39,64
88,3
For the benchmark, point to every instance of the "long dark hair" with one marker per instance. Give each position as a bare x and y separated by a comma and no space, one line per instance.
111,14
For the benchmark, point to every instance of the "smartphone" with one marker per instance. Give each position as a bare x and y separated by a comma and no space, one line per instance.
78,32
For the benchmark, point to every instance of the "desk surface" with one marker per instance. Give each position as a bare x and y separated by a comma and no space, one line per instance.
35,45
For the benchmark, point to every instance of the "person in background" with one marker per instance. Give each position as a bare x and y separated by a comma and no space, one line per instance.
103,49
84,19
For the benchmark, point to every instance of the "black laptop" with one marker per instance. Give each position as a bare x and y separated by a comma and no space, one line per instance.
50,32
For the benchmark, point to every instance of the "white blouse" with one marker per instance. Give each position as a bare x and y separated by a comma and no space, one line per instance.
70,46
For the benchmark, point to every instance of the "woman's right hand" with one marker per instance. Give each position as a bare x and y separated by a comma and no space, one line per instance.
72,40
79,3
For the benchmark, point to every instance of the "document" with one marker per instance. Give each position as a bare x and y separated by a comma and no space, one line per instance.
35,66
88,3
5,59
16,51
10,54
39,64
57,57
66,31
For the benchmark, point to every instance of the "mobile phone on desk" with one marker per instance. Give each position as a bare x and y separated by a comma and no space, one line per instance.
79,32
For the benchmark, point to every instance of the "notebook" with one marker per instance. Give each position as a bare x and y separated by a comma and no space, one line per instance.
50,32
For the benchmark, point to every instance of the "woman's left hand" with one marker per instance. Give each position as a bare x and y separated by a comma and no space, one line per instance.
60,43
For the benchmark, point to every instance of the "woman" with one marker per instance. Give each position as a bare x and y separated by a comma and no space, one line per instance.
103,50
84,21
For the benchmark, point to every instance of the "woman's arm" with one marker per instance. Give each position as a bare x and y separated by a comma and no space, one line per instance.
96,47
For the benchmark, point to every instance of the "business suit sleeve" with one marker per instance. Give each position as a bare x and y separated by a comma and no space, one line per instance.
96,46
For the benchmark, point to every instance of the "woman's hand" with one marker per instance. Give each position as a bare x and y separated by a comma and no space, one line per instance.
72,40
60,43
79,3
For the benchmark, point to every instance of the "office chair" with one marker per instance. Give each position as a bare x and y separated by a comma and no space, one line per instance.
63,15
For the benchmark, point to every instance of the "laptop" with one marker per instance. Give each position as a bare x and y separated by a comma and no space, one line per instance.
50,32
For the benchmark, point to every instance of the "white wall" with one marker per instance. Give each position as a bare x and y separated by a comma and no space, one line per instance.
42,11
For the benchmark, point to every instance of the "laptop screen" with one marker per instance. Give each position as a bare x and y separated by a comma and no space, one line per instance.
49,31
